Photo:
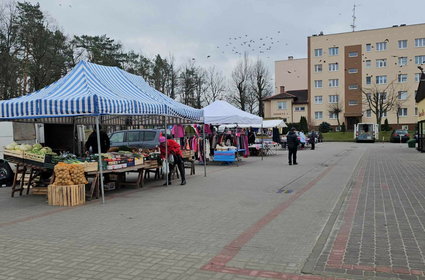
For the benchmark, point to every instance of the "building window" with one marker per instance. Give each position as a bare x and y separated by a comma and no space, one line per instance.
318,115
368,80
380,63
332,116
402,78
368,113
381,79
383,95
402,44
281,105
368,63
416,111
299,109
318,99
333,82
353,54
318,84
353,87
318,52
402,95
353,71
333,98
352,102
402,61
318,68
368,47
333,67
417,77
383,114
420,59
381,46
420,42
402,112
333,51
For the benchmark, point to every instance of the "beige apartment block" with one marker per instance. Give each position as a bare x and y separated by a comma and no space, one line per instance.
287,105
291,73
341,65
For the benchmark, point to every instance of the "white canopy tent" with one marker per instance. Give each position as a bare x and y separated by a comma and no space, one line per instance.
221,112
266,124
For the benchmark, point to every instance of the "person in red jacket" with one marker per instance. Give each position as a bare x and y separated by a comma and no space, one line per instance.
174,150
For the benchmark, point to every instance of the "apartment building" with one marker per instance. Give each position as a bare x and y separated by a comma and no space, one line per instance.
341,66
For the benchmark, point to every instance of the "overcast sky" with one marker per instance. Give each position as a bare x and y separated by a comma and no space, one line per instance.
201,29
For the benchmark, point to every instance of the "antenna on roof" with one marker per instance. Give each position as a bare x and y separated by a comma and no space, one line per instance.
353,26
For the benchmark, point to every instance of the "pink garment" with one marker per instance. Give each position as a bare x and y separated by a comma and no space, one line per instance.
178,131
207,129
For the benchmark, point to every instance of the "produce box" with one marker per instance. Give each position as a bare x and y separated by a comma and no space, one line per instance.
138,161
71,195
90,166
187,153
14,153
37,157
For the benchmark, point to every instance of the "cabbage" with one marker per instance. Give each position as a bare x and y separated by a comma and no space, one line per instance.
26,147
11,146
36,147
48,149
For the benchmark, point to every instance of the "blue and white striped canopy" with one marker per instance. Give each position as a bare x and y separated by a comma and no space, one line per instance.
91,90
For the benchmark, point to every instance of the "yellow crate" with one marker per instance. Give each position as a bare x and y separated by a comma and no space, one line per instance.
34,157
138,161
14,153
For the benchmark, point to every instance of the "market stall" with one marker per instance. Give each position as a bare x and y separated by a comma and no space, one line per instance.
227,145
92,94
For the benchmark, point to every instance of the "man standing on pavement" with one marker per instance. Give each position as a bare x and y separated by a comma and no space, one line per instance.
175,152
312,139
292,142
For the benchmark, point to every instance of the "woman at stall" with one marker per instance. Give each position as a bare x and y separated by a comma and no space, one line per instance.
174,157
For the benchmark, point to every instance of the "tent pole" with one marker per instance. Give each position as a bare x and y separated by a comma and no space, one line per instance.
99,154
262,142
167,167
205,155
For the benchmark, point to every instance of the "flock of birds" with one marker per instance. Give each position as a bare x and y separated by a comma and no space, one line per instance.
261,46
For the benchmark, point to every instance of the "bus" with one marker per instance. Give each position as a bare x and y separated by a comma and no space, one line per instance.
366,132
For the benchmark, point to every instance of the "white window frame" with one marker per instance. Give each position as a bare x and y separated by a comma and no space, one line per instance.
418,77
353,71
368,80
368,63
333,83
419,42
333,99
298,109
402,112
402,61
353,87
333,67
332,116
420,59
352,102
318,68
353,54
318,83
402,95
402,78
381,63
384,115
381,46
318,52
318,99
381,80
402,44
318,115
281,108
368,47
333,51
368,113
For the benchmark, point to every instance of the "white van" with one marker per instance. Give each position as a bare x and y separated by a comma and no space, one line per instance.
366,132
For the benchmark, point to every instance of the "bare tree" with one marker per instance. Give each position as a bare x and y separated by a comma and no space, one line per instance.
380,100
200,87
336,108
215,85
260,84
400,103
240,77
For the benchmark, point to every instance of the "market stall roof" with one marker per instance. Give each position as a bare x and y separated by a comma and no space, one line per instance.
95,90
221,112
266,124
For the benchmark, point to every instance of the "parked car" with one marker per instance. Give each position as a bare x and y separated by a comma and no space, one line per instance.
138,138
366,132
399,136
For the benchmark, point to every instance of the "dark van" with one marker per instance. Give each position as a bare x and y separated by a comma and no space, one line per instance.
138,138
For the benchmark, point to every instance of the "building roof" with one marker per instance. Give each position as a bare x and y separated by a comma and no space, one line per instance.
420,94
299,96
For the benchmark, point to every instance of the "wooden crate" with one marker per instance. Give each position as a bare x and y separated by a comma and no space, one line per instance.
90,166
39,190
14,153
187,153
34,157
71,195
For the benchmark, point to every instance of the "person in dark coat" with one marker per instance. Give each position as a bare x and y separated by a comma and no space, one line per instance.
91,144
292,142
312,139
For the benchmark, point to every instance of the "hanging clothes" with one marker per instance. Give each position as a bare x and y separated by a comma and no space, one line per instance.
276,135
178,131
